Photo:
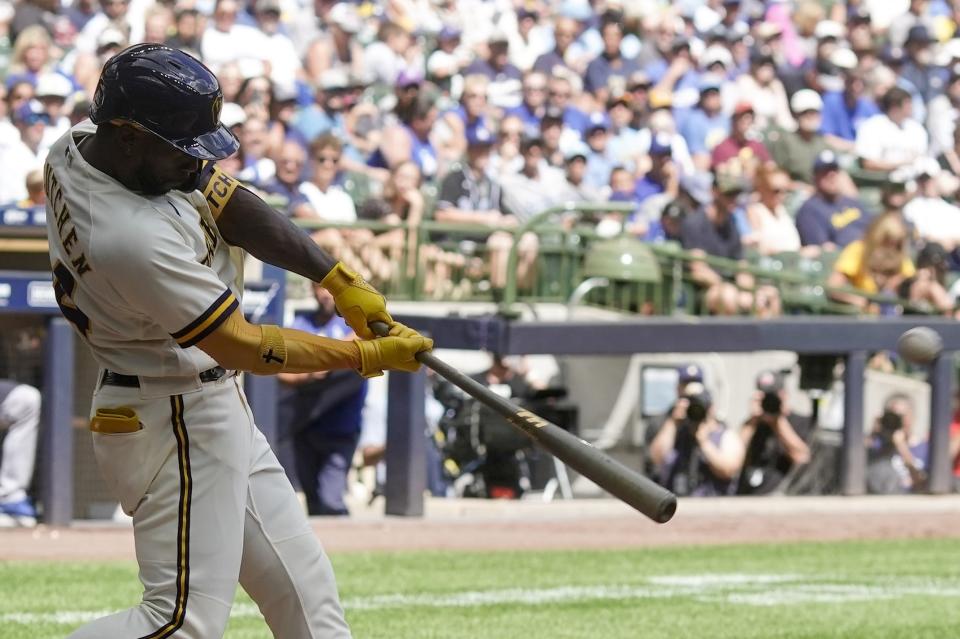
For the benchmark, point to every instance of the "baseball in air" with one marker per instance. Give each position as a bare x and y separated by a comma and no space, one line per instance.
920,345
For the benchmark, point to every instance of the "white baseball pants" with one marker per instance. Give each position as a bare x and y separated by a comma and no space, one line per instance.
20,415
211,507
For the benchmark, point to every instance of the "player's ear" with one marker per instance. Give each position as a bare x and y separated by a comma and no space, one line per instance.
129,140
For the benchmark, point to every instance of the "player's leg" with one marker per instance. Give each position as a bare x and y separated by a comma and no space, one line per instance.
183,478
20,412
285,569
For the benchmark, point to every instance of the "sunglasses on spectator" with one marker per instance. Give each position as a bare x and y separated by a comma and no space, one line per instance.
510,134
639,87
324,159
560,94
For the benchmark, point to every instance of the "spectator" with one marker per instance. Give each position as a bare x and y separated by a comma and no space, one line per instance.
327,113
932,217
23,154
505,79
286,182
928,80
600,161
796,151
764,90
892,139
36,196
706,126
410,138
575,162
741,145
114,14
391,54
34,13
918,15
187,33
323,414
942,117
530,40
339,48
894,466
712,231
624,144
771,228
534,105
404,206
829,219
559,99
157,22
506,158
556,138
52,92
845,111
772,437
537,186
565,31
31,56
257,168
445,65
663,178
20,418
930,280
278,50
694,453
879,263
323,198
224,40
610,67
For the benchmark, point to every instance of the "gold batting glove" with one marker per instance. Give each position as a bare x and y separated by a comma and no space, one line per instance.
392,353
357,302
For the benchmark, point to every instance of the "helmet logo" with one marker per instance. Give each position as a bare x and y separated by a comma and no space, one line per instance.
216,106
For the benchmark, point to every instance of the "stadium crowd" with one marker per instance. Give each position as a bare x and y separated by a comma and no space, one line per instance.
761,119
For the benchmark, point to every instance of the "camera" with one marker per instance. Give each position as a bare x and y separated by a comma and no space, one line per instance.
770,384
698,402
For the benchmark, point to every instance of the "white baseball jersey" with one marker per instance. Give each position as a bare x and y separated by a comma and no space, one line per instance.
142,278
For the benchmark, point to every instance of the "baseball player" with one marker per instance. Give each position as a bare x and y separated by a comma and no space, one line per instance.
20,418
143,228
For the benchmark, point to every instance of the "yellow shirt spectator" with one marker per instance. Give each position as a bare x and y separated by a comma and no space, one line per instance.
853,264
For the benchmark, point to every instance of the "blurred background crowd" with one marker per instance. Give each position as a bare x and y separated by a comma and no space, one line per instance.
735,128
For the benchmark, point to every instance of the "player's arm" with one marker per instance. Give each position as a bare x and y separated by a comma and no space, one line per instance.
267,349
247,221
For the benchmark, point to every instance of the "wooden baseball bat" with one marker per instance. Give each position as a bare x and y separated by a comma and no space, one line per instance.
627,485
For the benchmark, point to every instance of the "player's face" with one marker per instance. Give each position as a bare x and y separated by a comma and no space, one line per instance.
165,168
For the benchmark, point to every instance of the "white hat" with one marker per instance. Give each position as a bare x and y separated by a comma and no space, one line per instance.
716,54
54,85
345,16
111,36
334,79
926,166
829,29
232,114
844,59
806,100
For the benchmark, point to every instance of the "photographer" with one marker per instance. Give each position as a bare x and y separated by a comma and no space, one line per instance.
773,445
893,465
695,454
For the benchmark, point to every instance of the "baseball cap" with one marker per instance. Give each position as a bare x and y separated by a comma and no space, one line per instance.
919,33
449,32
768,30
552,116
844,59
829,29
598,120
576,150
333,79
826,160
408,78
689,373
742,108
698,186
661,145
769,381
716,54
232,114
345,16
53,85
263,6
30,113
926,167
806,100
708,84
530,142
480,136
111,37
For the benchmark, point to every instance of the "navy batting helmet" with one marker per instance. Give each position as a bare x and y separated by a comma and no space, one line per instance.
168,93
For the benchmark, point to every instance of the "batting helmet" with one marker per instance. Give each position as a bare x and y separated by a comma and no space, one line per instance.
168,93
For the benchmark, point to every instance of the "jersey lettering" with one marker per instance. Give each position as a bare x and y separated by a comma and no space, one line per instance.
218,190
63,286
65,228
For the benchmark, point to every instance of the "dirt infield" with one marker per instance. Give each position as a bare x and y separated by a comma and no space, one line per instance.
586,524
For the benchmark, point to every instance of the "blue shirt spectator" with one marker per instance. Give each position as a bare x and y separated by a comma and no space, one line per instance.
829,218
843,113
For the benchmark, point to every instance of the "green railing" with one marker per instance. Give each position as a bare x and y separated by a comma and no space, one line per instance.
562,247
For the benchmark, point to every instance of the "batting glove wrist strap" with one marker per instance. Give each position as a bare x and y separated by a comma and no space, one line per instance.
357,302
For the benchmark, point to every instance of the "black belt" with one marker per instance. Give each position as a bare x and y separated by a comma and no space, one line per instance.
132,381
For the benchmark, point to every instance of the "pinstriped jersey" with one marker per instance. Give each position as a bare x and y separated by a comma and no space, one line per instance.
141,278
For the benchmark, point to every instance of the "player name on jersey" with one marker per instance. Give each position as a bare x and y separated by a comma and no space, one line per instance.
66,231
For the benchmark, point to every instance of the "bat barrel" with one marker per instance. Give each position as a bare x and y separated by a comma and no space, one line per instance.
651,499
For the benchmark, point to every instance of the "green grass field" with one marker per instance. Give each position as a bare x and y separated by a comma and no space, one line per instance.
895,590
